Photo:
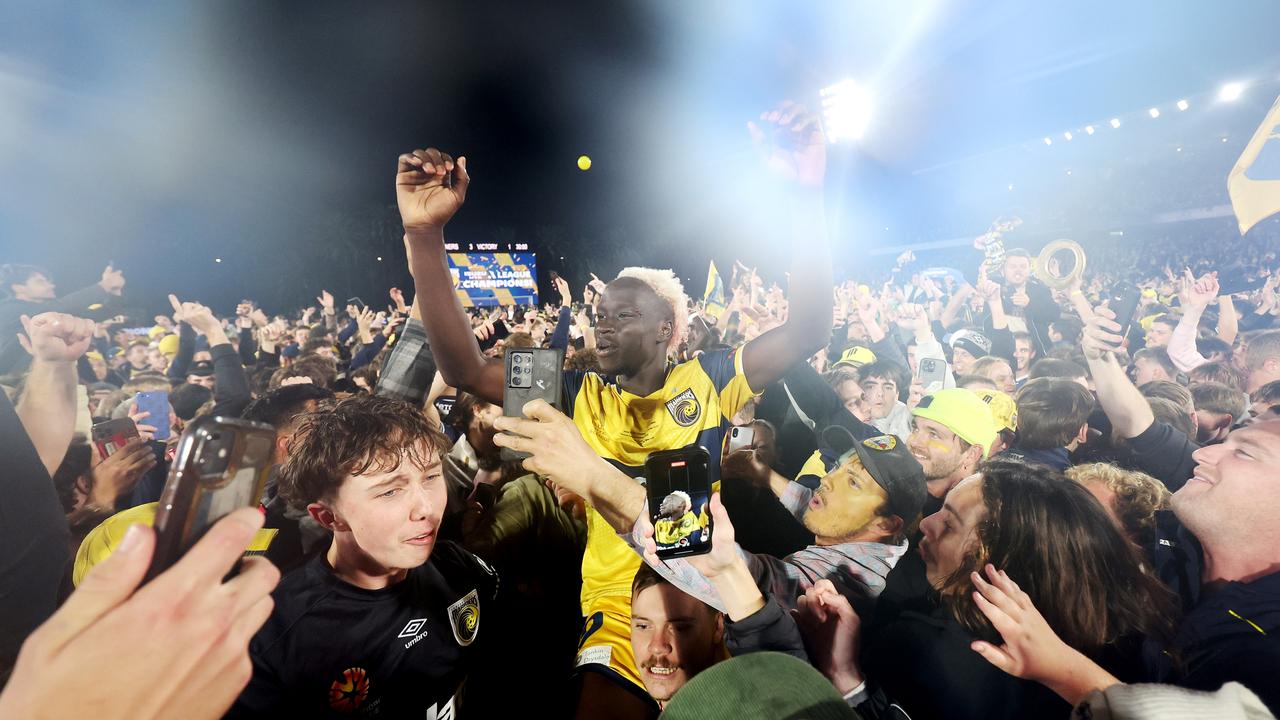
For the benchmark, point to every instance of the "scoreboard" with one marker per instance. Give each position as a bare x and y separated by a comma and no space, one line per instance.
486,274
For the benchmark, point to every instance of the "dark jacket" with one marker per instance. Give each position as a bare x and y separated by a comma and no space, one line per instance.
13,359
769,629
1041,311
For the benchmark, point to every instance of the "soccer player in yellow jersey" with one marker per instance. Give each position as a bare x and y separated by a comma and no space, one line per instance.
642,401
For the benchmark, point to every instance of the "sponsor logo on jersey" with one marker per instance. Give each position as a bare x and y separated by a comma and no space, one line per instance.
684,408
464,618
412,628
349,692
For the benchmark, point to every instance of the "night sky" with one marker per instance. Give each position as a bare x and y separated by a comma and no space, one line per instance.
266,134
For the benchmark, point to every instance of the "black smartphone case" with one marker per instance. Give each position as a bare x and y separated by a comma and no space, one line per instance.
660,462
531,373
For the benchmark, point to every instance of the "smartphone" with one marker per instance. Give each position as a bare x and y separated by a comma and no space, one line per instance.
554,276
356,301
500,331
679,487
111,435
531,373
157,403
1125,304
221,465
741,437
933,374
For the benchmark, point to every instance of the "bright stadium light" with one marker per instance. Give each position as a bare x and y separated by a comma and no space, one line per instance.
1048,141
1067,136
846,110
1088,129
1183,104
1154,112
1115,122
1231,91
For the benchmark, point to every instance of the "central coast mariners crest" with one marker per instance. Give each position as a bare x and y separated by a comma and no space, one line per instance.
464,618
684,408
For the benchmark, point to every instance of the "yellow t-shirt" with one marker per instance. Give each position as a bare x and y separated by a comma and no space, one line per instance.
669,532
693,407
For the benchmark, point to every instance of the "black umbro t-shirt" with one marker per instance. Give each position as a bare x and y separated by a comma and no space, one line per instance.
331,649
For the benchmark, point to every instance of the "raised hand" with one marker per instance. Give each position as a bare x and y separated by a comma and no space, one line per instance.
197,316
1198,293
146,432
259,318
112,281
56,337
364,324
562,286
746,464
118,473
397,297
790,140
832,633
326,302
990,290
430,187
913,317
724,555
1100,335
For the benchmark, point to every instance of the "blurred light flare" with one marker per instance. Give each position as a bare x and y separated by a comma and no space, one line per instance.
1183,105
1154,113
846,110
1115,122
1088,129
1231,92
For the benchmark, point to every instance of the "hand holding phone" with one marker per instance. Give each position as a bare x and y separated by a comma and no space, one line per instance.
933,374
156,403
532,373
110,436
741,437
221,465
679,488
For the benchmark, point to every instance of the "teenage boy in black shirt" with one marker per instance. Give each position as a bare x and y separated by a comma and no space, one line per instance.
385,623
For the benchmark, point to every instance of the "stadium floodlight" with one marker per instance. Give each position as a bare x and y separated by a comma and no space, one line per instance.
1183,104
1115,122
1048,141
1088,129
1231,91
1154,112
1067,136
1011,187
846,110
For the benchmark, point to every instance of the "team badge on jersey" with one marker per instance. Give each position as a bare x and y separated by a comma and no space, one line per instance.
464,618
883,443
350,690
684,408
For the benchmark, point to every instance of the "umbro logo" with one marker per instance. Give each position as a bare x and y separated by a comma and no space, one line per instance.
413,628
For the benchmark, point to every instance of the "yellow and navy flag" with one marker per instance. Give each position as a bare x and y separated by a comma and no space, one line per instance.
713,297
1254,183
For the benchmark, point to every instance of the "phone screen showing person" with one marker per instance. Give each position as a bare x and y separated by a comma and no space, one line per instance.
679,489
111,435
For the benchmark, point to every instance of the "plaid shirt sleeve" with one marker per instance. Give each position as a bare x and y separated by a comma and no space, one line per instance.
410,367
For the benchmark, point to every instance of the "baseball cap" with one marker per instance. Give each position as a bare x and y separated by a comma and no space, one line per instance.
201,368
972,342
759,686
856,356
103,539
888,460
961,411
168,345
1004,411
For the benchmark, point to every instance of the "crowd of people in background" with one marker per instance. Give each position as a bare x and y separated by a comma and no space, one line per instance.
968,493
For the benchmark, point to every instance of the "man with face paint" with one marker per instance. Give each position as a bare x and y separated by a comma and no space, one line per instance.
951,432
640,392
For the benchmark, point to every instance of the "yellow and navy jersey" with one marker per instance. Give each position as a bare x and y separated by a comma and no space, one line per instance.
670,531
692,408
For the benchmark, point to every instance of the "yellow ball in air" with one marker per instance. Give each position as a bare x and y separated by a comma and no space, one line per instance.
584,162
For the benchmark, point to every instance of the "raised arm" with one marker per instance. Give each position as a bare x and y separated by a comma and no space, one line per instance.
1128,411
430,187
48,404
801,160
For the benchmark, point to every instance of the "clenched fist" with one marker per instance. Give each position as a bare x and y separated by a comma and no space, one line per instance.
56,337
430,187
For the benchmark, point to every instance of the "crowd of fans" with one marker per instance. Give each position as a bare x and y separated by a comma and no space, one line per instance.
967,495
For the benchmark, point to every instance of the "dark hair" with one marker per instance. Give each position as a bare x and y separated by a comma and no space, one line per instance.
583,360
888,370
187,398
322,371
312,345
1057,542
646,577
1017,252
281,406
1069,328
11,275
1219,398
1051,367
1213,344
1171,391
1159,356
1219,372
1172,413
1268,393
351,437
1050,412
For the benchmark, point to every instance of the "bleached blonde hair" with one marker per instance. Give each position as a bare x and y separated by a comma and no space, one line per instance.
668,287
